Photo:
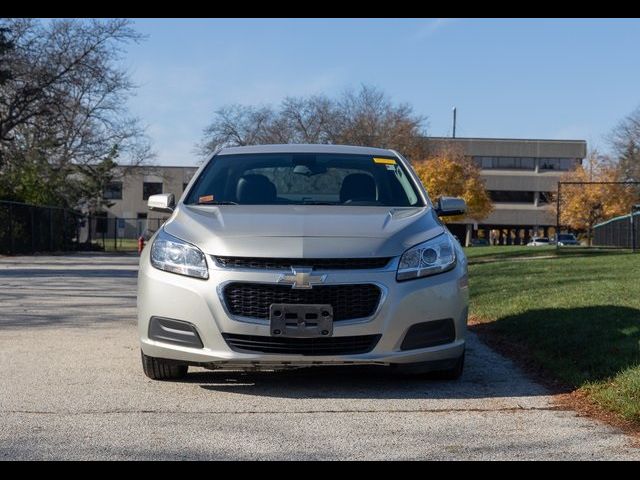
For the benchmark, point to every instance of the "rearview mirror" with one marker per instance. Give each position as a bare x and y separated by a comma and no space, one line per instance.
449,206
163,202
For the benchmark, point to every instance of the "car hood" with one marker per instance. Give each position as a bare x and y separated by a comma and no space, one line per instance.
303,231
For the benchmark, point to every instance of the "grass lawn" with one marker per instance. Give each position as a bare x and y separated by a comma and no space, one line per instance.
576,314
124,245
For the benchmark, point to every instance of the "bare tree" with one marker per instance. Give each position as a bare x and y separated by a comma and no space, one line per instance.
365,117
625,140
238,125
63,105
369,117
308,120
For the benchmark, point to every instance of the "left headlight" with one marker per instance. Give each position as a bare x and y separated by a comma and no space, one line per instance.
428,258
171,254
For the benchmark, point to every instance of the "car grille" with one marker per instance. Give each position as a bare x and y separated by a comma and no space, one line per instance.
348,301
317,263
302,346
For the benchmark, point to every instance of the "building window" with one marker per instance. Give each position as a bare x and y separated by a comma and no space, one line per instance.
545,198
113,191
563,164
151,188
506,163
504,196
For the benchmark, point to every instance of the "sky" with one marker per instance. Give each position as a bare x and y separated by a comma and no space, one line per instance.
526,78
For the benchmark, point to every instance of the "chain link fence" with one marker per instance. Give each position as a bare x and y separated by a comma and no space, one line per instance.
121,234
584,201
621,232
27,229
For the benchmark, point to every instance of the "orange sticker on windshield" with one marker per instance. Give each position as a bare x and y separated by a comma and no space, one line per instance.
384,161
205,199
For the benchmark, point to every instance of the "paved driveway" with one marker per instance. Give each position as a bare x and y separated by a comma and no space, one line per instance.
71,387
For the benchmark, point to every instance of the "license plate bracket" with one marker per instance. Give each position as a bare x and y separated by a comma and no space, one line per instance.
300,320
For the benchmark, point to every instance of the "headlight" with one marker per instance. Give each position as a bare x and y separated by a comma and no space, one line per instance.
171,254
433,256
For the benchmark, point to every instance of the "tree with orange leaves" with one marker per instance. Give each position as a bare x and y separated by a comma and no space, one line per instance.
447,172
586,204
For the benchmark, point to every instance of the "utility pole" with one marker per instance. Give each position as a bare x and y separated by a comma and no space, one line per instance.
454,122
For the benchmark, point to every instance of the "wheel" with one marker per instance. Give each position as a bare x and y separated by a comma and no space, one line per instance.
159,369
452,373
430,371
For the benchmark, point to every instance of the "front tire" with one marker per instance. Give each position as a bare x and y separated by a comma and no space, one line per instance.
429,371
160,369
453,373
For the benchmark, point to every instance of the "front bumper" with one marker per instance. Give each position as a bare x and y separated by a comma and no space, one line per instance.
199,302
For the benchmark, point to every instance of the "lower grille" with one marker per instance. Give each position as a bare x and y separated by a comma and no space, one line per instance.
348,301
302,346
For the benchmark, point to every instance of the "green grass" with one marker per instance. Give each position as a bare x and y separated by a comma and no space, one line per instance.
123,245
505,252
578,314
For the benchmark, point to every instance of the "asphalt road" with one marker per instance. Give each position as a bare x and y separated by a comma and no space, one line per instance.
71,387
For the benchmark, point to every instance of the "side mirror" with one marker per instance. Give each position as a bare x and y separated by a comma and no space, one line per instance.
163,202
448,206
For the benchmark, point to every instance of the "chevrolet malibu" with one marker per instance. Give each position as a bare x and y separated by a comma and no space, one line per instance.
287,256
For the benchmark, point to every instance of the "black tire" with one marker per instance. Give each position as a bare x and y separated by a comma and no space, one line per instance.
427,371
453,373
159,369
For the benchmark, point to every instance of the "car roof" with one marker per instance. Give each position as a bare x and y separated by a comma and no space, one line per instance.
307,148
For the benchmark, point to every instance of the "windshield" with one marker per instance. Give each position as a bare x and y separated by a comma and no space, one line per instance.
304,179
566,237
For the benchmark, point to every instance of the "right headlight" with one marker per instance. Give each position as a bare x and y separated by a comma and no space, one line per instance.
428,258
173,255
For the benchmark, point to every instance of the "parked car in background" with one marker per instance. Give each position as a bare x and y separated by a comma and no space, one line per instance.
538,242
284,256
479,242
567,239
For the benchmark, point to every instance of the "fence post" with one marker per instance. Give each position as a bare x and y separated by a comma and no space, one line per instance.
89,236
558,215
33,236
51,229
115,233
633,228
77,223
64,229
12,241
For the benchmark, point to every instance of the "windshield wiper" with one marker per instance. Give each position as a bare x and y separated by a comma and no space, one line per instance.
224,202
317,202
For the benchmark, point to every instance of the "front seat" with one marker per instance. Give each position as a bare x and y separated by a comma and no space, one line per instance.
358,187
255,189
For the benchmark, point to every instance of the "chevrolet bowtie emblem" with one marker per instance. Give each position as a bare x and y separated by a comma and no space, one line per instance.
301,277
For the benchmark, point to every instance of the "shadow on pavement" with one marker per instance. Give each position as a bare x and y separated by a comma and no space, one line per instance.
78,273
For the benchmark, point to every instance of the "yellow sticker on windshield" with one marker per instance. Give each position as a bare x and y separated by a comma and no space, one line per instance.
385,161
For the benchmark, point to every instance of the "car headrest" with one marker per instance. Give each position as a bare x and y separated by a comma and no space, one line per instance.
255,189
358,187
